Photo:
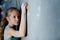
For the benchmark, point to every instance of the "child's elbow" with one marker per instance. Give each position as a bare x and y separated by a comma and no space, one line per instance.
23,35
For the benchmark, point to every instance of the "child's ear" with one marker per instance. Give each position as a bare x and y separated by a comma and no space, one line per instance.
7,18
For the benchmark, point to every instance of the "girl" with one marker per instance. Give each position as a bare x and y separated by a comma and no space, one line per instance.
12,18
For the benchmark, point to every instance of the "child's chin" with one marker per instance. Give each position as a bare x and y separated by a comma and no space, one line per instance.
16,24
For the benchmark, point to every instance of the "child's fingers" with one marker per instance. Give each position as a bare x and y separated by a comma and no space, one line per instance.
24,5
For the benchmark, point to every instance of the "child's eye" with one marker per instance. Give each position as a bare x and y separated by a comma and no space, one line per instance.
14,17
18,16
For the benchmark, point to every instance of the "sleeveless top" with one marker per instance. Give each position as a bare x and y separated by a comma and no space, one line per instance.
12,38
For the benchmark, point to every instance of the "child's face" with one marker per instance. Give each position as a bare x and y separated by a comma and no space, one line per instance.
14,17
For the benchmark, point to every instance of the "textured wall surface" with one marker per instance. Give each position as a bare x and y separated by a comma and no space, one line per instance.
43,20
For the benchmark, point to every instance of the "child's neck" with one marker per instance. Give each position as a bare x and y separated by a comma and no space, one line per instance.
11,25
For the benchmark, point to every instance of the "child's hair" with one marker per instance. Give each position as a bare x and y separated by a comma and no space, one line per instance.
4,22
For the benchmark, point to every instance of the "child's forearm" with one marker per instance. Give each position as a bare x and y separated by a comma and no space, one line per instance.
22,28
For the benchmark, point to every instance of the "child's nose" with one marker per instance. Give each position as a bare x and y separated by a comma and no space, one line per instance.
17,18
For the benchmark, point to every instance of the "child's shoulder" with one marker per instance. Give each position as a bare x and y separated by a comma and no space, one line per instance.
7,29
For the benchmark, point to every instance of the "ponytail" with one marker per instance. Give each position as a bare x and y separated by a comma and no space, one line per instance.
4,22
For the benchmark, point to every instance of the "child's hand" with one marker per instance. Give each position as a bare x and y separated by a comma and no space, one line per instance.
24,6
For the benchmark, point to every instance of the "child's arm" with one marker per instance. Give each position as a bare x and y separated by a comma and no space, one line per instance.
22,28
